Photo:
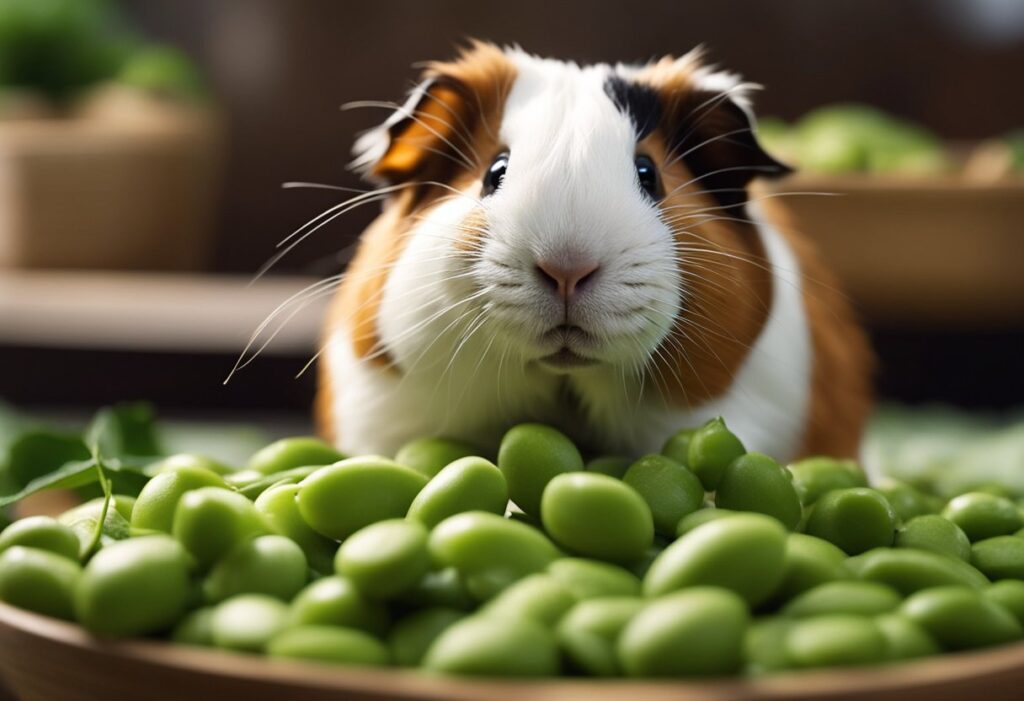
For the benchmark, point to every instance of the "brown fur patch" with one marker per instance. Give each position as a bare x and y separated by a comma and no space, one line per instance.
730,284
843,363
458,122
728,289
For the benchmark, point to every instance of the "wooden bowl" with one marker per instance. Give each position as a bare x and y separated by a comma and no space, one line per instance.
43,659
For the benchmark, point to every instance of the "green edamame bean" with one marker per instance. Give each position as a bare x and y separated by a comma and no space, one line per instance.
904,638
247,622
692,633
935,533
465,484
834,641
817,476
588,579
530,456
134,587
385,558
856,519
744,553
993,488
764,645
983,515
538,597
336,601
428,456
677,446
712,447
280,509
288,453
495,550
597,516
253,488
858,598
494,647
909,503
670,490
443,588
38,580
42,533
338,500
210,521
188,461
1000,557
196,628
643,565
84,519
808,562
270,564
1008,593
755,482
411,637
701,516
611,465
329,644
907,570
156,503
959,618
587,634
243,479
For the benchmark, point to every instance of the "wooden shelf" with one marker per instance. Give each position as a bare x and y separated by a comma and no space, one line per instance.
155,311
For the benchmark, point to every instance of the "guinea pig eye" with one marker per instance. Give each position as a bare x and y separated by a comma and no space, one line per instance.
495,174
647,175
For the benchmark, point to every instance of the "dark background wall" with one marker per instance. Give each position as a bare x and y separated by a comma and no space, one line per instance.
283,68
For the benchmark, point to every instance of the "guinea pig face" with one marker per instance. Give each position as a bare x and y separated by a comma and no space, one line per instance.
578,264
551,207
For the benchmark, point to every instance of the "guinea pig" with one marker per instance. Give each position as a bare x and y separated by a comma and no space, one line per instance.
578,245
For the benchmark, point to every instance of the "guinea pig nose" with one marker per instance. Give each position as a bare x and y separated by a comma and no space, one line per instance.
566,279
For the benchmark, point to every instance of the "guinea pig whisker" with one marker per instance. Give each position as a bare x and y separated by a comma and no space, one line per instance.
307,294
368,194
760,198
303,185
441,334
434,316
372,298
437,152
705,142
719,171
273,260
474,326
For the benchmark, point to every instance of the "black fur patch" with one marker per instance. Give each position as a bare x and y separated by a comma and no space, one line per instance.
639,102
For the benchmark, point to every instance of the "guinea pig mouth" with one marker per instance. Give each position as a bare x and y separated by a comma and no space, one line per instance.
565,358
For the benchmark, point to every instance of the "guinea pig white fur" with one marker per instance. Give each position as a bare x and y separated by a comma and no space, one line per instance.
578,245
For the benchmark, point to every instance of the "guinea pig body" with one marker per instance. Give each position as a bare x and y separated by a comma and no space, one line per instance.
578,246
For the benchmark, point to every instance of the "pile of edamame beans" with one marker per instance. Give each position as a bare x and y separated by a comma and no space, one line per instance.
702,561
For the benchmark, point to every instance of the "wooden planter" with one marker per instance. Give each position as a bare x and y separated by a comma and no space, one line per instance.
110,193
913,251
47,660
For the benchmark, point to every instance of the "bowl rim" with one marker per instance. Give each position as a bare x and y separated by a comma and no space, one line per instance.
965,668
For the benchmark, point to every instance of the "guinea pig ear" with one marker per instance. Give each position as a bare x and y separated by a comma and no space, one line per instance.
441,126
423,127
707,123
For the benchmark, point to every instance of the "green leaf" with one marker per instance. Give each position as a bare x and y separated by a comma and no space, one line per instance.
125,430
38,453
72,474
